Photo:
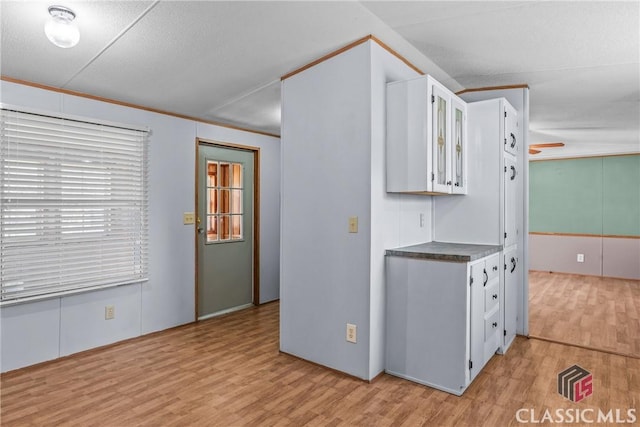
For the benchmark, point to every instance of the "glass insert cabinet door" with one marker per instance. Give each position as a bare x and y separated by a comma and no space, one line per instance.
458,147
441,140
224,213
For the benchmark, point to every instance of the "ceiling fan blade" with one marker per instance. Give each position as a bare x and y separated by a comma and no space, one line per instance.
547,145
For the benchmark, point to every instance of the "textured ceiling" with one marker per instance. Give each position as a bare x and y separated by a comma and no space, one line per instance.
221,60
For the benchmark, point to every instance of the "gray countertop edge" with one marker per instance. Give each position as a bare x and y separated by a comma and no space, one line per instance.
442,251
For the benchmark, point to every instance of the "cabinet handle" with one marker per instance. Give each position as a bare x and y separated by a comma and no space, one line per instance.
513,172
448,182
494,324
457,184
486,277
494,296
513,141
513,264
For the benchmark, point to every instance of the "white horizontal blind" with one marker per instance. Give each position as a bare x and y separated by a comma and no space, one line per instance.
73,206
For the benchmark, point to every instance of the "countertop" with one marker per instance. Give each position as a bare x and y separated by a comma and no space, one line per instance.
441,251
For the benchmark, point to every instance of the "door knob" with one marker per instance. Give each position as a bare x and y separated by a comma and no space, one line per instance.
200,230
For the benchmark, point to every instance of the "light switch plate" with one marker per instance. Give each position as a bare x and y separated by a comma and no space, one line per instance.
353,224
188,218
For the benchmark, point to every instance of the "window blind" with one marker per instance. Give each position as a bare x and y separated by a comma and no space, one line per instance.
73,205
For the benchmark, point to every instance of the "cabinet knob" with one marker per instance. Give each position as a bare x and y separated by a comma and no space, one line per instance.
448,182
494,324
495,268
494,296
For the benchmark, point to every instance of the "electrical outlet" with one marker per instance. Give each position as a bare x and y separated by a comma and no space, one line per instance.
188,218
351,333
109,312
580,257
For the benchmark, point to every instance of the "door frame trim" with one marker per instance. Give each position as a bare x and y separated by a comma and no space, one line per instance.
256,212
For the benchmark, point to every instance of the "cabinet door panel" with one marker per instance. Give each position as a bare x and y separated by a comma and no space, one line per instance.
408,157
458,146
440,138
511,136
510,294
477,318
511,185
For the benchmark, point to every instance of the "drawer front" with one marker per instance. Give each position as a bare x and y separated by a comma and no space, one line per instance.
491,296
492,266
491,325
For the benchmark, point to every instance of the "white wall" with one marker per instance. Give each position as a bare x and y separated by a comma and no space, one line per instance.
43,330
333,135
395,218
324,275
603,256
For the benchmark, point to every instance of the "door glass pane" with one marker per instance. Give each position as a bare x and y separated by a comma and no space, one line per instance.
237,175
212,174
224,174
441,168
213,202
224,201
212,228
458,148
236,227
225,233
236,201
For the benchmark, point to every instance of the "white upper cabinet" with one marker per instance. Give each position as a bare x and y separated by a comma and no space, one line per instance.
426,138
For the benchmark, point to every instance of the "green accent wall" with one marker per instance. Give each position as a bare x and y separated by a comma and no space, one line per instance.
599,195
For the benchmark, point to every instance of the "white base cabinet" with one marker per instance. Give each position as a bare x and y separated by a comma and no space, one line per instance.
443,319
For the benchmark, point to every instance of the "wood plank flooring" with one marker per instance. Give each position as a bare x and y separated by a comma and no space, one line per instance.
228,372
596,312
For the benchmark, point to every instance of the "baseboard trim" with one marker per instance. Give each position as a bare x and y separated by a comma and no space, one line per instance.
227,311
584,275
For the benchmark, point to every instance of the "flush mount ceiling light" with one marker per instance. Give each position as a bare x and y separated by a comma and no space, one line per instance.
60,28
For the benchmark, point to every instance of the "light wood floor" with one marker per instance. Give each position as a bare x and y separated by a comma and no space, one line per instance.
228,372
591,311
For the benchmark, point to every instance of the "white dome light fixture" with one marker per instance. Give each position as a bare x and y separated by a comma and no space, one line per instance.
60,28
